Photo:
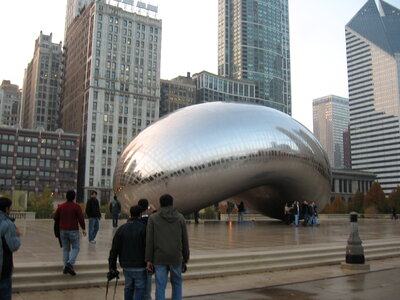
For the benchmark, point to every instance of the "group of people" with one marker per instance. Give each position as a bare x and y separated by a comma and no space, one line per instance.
296,211
149,242
240,208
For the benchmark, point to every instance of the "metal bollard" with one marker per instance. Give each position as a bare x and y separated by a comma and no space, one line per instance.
354,251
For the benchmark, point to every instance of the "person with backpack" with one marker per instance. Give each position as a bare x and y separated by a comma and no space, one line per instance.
115,210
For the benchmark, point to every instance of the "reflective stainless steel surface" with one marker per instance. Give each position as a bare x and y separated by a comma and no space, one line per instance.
206,153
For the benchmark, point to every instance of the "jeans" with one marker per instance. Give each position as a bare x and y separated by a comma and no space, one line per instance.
93,228
70,238
161,272
240,217
5,289
135,283
296,220
148,287
115,220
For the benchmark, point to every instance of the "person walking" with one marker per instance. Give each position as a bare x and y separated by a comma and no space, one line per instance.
129,244
314,214
69,216
229,208
296,212
167,247
241,211
9,243
306,212
94,215
115,210
286,213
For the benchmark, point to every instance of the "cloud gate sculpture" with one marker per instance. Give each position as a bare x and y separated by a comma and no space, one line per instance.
207,153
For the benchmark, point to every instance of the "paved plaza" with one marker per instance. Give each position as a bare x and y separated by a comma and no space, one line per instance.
40,245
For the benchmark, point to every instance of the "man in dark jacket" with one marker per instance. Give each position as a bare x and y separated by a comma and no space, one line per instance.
94,215
9,243
129,245
167,247
69,216
115,209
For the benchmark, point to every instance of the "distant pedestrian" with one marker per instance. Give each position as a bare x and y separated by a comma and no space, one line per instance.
9,243
286,213
94,215
241,211
394,214
69,216
115,210
229,208
314,214
306,212
167,247
196,217
296,212
129,244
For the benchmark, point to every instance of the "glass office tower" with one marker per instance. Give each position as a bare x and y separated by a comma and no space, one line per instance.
373,63
253,45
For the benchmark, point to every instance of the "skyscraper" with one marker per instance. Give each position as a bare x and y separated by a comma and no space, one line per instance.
253,45
331,120
10,103
40,94
373,64
111,87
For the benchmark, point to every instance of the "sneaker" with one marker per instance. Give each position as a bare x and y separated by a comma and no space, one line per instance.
65,270
69,269
92,242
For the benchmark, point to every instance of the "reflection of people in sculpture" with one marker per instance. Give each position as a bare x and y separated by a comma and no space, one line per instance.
394,214
229,209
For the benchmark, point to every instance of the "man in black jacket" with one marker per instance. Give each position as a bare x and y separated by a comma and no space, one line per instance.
94,215
129,245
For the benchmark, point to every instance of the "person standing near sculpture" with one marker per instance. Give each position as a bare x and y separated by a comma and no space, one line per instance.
115,210
69,216
296,212
94,215
129,245
9,243
167,247
241,211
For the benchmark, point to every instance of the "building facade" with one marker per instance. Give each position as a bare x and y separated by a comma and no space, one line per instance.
253,45
41,87
35,160
346,183
373,64
111,87
330,122
10,103
177,93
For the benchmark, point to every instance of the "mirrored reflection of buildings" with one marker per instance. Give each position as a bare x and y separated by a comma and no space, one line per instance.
253,45
373,49
111,86
10,103
330,122
35,160
40,94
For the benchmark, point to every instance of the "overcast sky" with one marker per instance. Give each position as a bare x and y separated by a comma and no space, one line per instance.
189,41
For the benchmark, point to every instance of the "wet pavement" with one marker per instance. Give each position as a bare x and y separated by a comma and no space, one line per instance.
383,284
40,245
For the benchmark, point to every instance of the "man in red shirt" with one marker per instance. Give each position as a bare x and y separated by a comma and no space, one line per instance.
68,215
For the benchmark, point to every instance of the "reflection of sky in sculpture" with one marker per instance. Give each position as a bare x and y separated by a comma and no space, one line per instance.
206,153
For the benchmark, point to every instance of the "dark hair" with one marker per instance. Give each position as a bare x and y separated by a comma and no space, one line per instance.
166,200
93,192
5,203
136,211
143,203
70,195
